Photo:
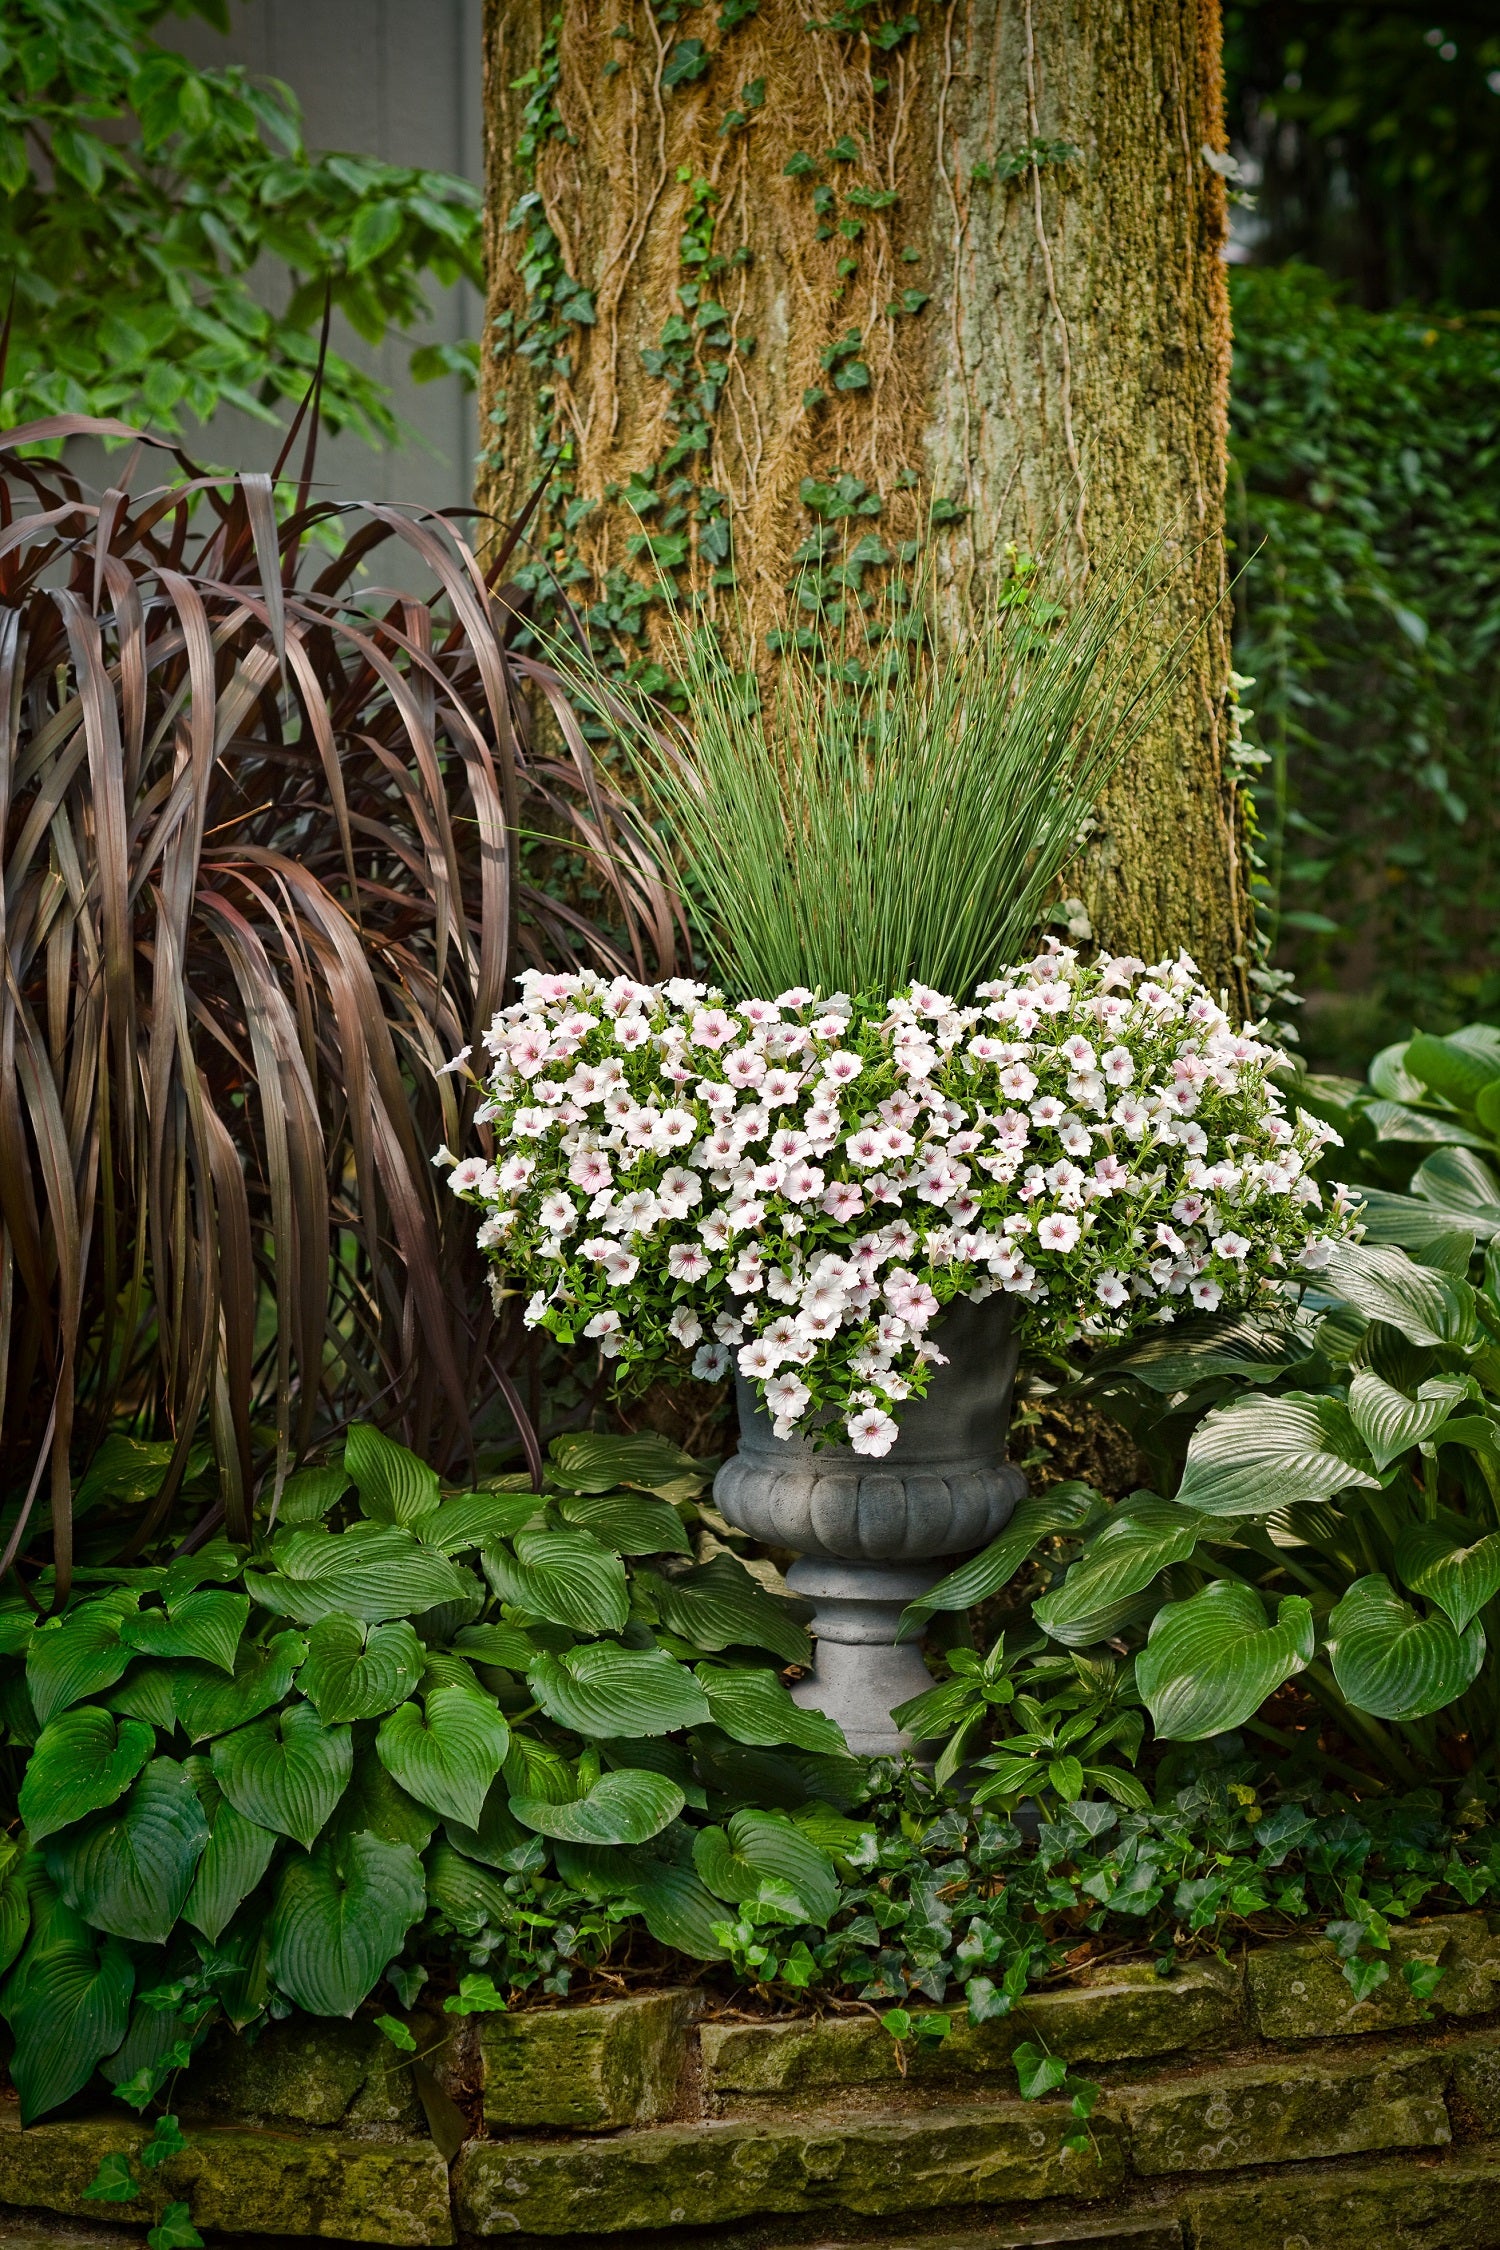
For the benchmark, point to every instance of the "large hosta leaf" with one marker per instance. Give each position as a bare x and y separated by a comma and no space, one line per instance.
628,1522
1455,1067
763,1854
499,1840
468,1894
1264,1453
394,1486
68,2003
75,1657
1139,1540
753,1706
83,1761
1393,1121
472,1519
355,1672
208,1705
1391,1423
129,1870
601,1689
1211,1662
448,1756
1391,1662
340,1915
374,1800
286,1771
373,1571
205,1625
562,1575
15,1903
1427,1307
236,1856
585,1461
1063,1507
1455,1182
1433,1237
719,1605
621,1808
1193,1350
1435,1562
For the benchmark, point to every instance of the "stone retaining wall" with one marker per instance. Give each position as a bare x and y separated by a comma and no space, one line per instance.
1253,2105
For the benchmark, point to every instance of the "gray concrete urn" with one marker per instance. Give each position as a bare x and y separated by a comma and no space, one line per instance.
872,1535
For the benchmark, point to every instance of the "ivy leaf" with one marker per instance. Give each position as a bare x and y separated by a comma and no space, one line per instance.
448,1756
129,1870
397,2033
202,1625
1062,1508
600,1689
753,1706
286,1771
476,1996
1212,1661
564,1576
114,2182
686,64
628,1807
393,1485
262,1677
340,1914
357,1672
82,1762
1266,1453
1391,1662
68,2004
1037,2073
174,2230
1459,1579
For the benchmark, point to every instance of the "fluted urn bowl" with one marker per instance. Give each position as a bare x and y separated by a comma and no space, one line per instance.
872,1535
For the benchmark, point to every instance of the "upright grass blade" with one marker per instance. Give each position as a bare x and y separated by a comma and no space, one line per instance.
263,874
849,834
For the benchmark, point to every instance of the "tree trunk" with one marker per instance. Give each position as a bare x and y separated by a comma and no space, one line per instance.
763,292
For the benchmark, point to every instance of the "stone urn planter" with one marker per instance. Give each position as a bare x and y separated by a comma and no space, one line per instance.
872,1535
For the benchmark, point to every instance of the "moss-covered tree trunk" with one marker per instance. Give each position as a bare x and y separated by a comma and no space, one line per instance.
763,291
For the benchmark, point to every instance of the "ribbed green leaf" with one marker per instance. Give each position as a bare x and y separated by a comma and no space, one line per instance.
679,1911
601,1689
1426,1306
504,1645
1456,1183
1393,1121
82,1762
340,1915
372,1571
719,1605
1391,1662
394,1486
1435,1563
1433,1237
308,1494
75,1658
129,1870
68,2003
1264,1453
1454,1068
1212,1661
236,1856
15,1903
622,1808
563,1575
150,1689
1391,1423
203,1625
499,1840
1141,1538
207,1705
448,1755
356,1672
627,1522
1253,1345
753,1706
472,1519
1064,1507
468,1894
374,1801
758,1845
586,1461
287,1771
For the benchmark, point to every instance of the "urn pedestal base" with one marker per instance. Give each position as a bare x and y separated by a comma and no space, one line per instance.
872,1535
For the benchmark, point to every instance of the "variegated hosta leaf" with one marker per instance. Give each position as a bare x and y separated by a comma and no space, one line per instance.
1211,1662
1394,1664
1458,1183
1391,1423
1140,1538
1460,1579
1384,1284
1264,1453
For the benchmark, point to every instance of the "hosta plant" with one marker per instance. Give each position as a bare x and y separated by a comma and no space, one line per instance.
410,1725
797,1186
1328,1513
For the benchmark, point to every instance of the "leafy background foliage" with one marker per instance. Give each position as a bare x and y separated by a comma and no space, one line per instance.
137,193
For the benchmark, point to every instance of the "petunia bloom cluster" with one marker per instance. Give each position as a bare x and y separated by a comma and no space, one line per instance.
795,1188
